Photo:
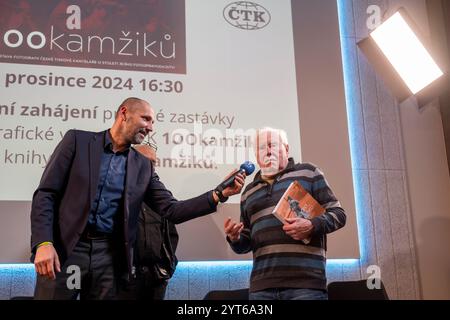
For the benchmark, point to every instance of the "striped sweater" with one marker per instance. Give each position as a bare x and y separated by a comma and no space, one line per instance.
278,260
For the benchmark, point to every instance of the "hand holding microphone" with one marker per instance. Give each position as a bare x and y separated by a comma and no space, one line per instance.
234,182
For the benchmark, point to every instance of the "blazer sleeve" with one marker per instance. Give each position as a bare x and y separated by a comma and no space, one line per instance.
50,190
163,202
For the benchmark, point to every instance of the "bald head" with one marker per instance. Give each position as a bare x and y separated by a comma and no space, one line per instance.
132,104
134,120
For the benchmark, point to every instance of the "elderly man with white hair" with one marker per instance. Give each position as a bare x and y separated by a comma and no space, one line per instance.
289,259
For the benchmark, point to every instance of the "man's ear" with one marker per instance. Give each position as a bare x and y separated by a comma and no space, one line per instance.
123,112
287,148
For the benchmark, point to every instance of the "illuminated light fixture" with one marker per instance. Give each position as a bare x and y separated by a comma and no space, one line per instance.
398,54
406,53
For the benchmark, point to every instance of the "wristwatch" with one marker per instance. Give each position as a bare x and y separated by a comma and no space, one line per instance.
220,195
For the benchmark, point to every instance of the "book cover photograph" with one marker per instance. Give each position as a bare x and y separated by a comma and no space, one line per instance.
297,202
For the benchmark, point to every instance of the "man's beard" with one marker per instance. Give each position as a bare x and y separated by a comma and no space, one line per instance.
270,167
270,171
139,137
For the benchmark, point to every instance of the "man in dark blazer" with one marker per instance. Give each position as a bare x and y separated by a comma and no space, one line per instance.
85,210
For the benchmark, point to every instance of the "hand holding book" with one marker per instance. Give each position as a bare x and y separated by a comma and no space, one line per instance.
295,208
298,229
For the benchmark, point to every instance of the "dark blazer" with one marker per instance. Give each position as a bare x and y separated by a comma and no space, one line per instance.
61,203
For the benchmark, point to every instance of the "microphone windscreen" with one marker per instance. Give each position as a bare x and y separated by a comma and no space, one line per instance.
248,167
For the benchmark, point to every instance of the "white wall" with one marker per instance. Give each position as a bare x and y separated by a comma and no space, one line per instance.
419,215
429,189
428,180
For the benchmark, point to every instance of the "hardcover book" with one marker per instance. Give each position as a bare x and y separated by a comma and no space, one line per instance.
297,202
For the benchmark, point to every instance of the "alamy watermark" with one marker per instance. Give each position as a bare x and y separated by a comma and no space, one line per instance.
374,279
73,281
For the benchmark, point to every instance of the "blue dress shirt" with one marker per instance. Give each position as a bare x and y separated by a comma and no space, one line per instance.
108,200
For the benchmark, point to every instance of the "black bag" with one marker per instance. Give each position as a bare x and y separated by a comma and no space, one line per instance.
165,267
156,244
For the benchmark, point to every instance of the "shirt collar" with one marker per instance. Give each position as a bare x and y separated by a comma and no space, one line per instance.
108,145
289,167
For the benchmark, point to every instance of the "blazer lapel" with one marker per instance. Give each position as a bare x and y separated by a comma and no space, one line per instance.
131,177
95,158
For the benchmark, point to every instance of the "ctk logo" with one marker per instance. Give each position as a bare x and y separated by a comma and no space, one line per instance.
246,15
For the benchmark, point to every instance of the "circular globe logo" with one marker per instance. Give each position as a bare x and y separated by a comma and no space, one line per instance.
246,15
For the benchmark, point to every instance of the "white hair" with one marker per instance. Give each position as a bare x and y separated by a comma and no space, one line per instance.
279,132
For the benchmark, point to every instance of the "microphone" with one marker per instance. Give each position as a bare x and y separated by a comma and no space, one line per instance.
247,167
